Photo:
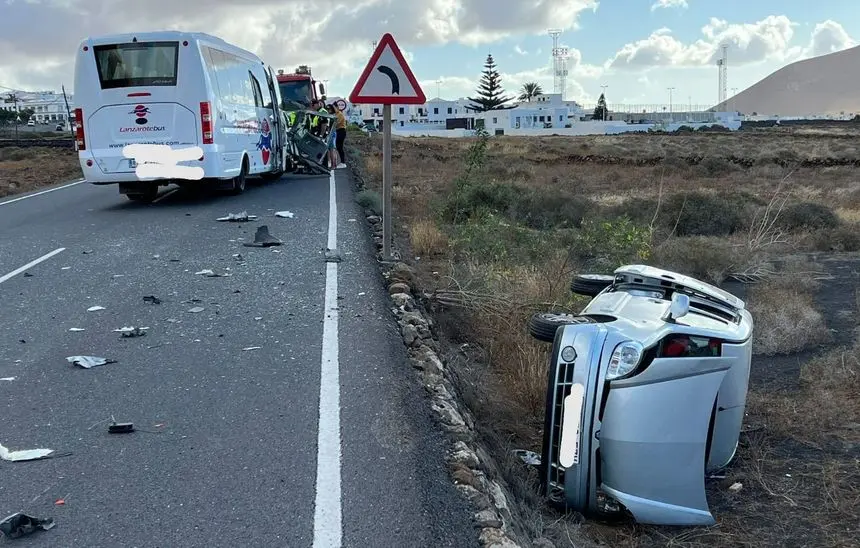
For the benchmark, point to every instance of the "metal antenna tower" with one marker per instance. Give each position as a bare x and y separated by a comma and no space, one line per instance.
560,55
723,66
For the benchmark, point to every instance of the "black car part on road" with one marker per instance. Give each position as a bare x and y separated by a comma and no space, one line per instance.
590,285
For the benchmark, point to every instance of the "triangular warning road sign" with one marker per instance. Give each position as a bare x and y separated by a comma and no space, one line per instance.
387,78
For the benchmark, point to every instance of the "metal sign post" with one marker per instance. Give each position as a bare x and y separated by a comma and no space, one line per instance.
386,183
387,80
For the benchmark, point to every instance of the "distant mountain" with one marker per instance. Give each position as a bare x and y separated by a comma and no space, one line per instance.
829,84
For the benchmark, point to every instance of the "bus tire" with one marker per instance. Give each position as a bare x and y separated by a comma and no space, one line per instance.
240,180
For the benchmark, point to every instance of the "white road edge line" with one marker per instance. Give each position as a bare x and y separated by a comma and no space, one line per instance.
30,265
327,508
12,201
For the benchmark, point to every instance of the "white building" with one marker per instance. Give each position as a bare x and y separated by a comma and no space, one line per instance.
48,107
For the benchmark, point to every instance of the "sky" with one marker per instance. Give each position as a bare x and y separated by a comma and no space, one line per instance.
636,48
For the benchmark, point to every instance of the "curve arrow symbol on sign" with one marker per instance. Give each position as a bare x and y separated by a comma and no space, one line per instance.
395,81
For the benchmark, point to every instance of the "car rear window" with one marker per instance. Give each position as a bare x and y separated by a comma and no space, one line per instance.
137,64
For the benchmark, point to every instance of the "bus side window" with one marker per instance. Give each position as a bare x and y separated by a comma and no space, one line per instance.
255,88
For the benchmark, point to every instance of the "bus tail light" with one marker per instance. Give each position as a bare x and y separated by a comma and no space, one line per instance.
79,129
206,123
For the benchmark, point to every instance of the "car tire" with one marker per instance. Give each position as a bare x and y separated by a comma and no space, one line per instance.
239,181
146,197
543,326
590,285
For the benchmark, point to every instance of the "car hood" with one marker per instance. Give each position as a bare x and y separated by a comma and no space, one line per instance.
641,319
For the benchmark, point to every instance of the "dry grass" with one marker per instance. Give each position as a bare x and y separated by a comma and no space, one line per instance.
719,207
427,239
26,169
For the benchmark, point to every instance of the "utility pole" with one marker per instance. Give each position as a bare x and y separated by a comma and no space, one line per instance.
13,97
438,89
670,99
605,108
68,110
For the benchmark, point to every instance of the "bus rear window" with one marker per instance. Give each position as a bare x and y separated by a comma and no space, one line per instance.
137,64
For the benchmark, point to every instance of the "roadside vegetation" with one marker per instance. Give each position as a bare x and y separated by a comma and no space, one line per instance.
26,169
496,228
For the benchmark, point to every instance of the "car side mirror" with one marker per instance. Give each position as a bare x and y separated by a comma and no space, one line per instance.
679,307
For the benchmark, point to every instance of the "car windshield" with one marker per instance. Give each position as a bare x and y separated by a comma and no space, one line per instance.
137,64
296,94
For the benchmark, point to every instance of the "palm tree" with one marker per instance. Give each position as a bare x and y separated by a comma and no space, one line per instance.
530,90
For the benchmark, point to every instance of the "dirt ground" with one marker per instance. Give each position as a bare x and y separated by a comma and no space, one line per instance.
26,169
497,226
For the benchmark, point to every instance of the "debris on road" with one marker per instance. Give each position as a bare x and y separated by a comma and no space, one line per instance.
151,299
120,428
262,238
76,329
242,217
529,458
197,309
25,455
27,275
19,525
239,257
88,362
66,268
60,502
129,332
332,256
285,214
735,487
252,348
210,274
8,379
95,308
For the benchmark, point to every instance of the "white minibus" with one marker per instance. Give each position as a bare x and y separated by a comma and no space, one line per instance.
180,89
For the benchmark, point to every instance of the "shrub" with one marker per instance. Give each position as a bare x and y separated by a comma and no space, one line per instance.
470,199
701,214
714,166
371,200
15,154
603,246
844,238
706,258
640,211
544,210
427,239
786,321
489,239
807,215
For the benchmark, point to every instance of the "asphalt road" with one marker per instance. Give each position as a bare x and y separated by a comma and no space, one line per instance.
233,447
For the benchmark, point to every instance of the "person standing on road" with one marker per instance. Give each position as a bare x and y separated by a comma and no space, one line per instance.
332,142
341,136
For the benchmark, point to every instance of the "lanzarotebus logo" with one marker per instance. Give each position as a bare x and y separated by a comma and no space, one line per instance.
140,111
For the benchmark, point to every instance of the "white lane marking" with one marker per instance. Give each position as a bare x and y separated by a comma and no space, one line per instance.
12,201
327,510
30,265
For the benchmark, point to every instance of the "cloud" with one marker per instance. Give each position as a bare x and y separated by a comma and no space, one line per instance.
767,39
669,4
333,36
828,37
520,50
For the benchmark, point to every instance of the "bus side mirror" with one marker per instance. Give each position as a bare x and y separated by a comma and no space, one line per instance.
322,89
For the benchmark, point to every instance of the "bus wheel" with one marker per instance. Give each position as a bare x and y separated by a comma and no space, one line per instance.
147,196
239,180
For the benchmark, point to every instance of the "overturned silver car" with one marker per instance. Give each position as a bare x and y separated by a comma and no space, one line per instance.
646,394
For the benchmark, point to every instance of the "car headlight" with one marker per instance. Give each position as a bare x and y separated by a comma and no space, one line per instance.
624,360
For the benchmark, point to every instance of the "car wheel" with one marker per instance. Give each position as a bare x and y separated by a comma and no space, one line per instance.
146,197
544,325
590,285
240,180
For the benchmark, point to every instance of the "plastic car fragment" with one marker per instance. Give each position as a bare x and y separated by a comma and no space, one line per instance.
242,217
19,525
262,238
88,362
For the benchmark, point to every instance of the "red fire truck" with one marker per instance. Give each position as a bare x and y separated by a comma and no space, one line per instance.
299,89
